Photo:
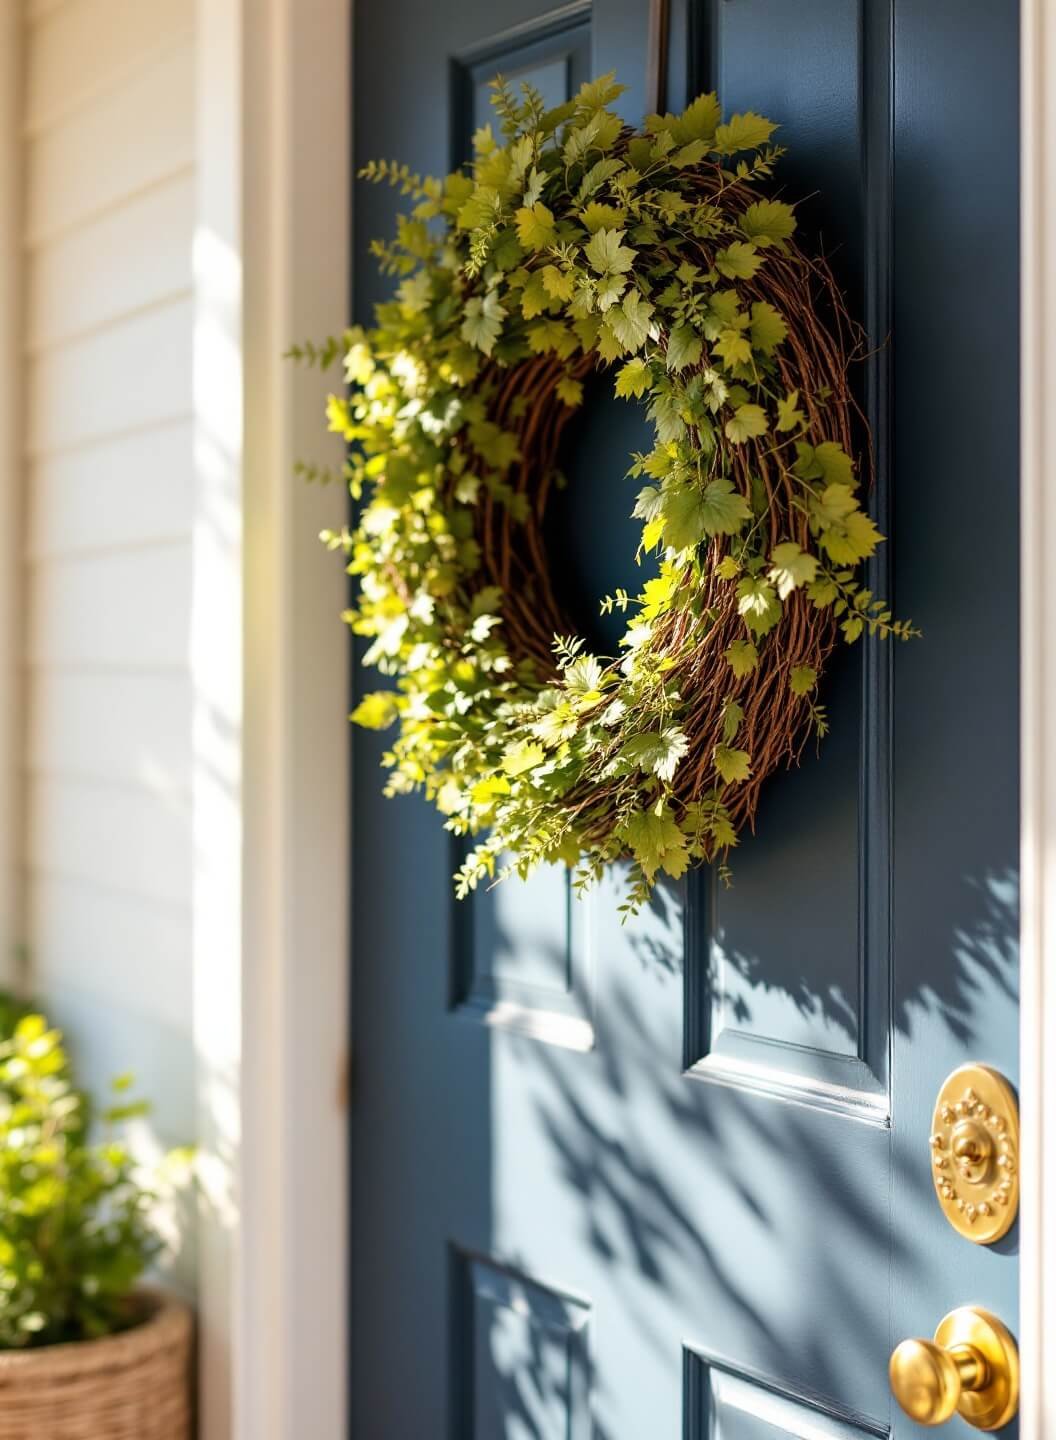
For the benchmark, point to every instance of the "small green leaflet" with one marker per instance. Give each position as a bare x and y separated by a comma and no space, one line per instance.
535,226
802,679
657,751
376,711
745,422
738,261
522,756
596,214
557,285
630,322
684,347
734,348
584,676
633,379
732,765
833,506
596,177
853,540
724,509
732,715
828,462
656,842
742,657
483,321
607,255
743,132
789,415
699,119
535,298
767,328
758,604
791,567
570,391
768,222
690,513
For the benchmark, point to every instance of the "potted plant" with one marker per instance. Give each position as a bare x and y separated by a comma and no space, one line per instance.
86,1352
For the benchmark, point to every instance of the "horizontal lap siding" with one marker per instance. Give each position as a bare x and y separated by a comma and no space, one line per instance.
109,146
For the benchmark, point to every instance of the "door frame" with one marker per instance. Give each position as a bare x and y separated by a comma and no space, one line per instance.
270,749
12,640
1037,1334
269,89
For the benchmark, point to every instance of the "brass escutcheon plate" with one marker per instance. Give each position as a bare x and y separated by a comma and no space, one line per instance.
975,1153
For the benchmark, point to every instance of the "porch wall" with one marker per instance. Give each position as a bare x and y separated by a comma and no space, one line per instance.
109,207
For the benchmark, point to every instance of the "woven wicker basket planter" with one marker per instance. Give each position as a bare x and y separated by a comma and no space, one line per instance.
132,1386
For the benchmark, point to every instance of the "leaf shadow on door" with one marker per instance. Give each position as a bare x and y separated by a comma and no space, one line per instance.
699,1201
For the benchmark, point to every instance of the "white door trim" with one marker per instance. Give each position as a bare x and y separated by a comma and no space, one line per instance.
1038,697
12,590
269,661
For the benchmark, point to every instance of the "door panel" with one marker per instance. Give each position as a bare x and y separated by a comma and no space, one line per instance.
672,1178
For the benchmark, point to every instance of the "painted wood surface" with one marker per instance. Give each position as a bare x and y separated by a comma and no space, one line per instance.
673,1178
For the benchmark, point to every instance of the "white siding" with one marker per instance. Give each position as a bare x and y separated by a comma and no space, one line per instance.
109,197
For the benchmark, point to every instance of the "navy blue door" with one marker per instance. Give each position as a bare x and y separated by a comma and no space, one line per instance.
673,1179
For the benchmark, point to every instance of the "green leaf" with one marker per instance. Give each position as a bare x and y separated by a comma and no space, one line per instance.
743,132
596,177
482,321
656,842
833,506
556,284
732,715
535,226
522,756
691,154
802,679
699,119
852,540
607,255
596,215
633,379
570,391
630,322
727,568
823,592
738,261
584,676
789,415
768,329
734,348
746,422
535,298
732,765
791,567
768,222
828,462
684,347
758,604
742,657
683,512
376,711
724,510
657,751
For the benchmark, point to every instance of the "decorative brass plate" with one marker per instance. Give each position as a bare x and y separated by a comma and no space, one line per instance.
975,1153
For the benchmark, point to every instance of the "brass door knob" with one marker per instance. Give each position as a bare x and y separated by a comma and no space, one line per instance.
970,1368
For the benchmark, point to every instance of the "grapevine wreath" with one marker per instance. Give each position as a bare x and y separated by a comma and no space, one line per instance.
568,245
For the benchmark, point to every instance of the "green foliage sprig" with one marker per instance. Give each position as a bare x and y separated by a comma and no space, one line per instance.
76,1232
572,244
